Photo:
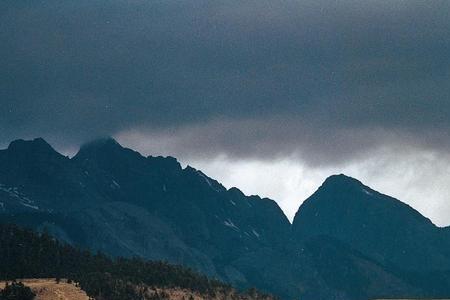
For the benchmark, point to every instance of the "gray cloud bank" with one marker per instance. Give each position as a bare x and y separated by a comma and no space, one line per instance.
269,95
326,80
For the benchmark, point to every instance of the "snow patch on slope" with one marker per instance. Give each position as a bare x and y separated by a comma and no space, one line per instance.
367,192
230,224
211,184
13,192
256,233
115,185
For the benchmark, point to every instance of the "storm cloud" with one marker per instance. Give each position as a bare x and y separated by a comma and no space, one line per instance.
326,83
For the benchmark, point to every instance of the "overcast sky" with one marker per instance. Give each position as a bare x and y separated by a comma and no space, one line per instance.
270,96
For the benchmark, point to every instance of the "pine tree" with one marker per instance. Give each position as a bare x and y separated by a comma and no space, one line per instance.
16,291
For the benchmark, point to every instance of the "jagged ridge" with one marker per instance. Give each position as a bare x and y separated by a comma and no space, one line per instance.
113,199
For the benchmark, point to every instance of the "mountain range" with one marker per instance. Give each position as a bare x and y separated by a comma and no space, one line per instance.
347,241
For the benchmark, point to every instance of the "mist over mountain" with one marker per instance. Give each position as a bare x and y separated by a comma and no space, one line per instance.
347,241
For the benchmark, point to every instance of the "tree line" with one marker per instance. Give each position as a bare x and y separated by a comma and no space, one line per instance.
27,254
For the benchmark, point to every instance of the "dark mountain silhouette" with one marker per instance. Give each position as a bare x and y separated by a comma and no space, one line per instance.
113,199
389,232
347,241
375,224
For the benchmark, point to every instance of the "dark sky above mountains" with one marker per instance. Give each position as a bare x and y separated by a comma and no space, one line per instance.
290,89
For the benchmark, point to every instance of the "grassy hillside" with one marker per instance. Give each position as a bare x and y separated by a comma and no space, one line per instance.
50,289
63,289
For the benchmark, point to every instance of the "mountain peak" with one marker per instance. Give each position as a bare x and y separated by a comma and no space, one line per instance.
164,163
37,145
99,146
108,152
341,180
101,143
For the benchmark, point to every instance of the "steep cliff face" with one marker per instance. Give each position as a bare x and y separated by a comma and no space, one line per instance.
34,177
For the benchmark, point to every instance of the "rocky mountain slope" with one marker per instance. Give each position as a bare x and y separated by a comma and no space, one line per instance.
389,232
378,225
347,241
